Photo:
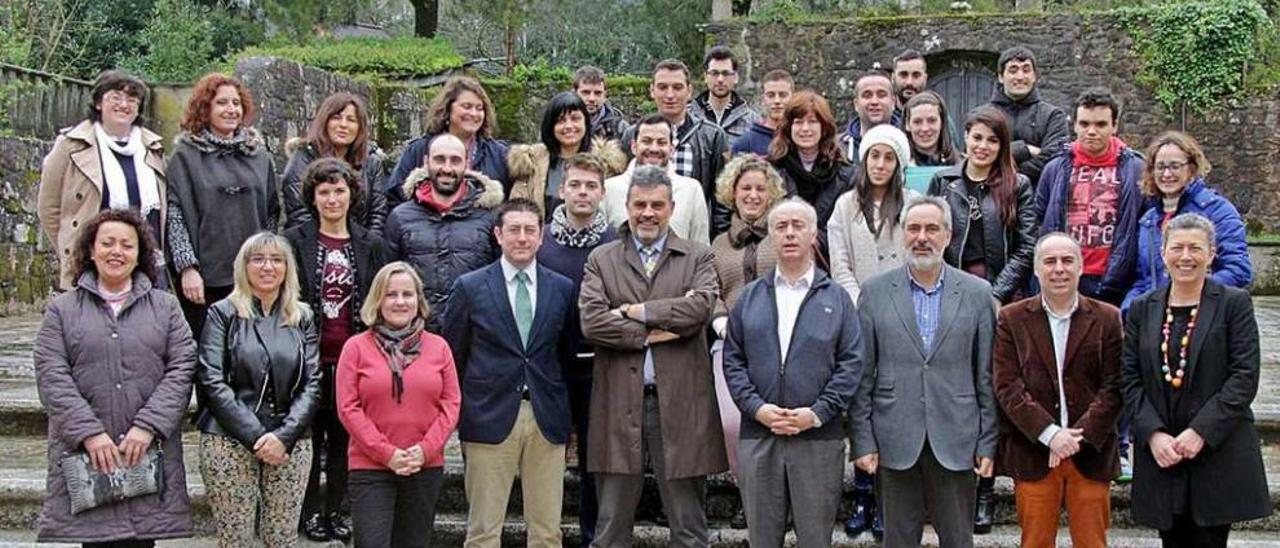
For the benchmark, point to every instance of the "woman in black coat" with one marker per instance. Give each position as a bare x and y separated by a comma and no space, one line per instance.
805,153
337,259
1191,369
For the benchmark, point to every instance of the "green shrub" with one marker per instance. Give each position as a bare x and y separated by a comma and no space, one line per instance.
179,43
369,57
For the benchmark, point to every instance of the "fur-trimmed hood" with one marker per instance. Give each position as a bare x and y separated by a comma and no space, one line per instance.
523,160
489,191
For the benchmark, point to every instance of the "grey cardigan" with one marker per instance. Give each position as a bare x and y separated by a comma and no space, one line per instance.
103,373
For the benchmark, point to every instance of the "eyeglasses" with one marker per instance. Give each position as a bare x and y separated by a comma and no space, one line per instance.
1169,166
262,260
118,98
721,73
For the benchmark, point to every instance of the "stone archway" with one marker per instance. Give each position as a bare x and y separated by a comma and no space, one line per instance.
965,79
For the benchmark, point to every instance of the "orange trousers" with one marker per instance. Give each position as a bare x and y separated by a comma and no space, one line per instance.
1040,502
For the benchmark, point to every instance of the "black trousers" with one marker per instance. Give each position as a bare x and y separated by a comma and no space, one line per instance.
579,409
195,313
391,511
1186,534
329,437
133,543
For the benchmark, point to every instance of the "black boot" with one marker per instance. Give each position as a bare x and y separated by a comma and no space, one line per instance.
862,514
877,525
984,511
316,528
339,527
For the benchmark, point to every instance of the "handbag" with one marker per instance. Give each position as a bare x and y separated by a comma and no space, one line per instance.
90,488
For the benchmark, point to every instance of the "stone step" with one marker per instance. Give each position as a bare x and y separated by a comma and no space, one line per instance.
23,473
450,530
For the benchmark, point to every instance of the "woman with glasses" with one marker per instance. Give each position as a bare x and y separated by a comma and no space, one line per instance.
1174,184
108,161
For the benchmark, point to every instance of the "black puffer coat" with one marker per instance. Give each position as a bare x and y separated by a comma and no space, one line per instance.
444,245
1008,249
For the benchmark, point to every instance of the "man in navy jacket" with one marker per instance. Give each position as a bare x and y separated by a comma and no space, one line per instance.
792,360
506,326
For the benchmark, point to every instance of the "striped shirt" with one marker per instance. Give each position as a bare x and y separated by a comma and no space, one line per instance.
928,305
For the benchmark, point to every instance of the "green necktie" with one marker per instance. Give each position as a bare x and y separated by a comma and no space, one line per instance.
524,307
650,260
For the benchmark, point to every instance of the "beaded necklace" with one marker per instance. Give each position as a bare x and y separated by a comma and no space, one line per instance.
1175,376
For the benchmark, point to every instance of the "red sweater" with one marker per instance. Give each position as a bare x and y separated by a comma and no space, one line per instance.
378,425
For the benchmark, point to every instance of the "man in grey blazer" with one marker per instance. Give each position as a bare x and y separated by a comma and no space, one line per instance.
924,416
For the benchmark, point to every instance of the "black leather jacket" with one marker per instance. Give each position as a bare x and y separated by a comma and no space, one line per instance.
1009,249
237,356
710,151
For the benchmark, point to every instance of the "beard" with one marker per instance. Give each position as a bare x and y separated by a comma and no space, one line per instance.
445,183
931,262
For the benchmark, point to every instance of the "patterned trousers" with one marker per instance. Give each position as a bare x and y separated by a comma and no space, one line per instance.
238,485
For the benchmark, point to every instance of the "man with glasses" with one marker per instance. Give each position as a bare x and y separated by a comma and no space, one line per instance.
721,104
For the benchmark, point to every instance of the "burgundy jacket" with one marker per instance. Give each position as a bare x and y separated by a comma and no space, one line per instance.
1026,379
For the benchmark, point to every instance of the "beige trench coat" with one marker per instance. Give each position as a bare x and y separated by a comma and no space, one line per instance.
71,190
679,298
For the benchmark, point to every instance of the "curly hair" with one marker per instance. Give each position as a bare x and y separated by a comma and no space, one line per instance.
438,113
727,182
83,255
196,118
329,170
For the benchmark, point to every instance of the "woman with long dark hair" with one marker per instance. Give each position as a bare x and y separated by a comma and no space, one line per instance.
993,227
537,169
339,130
924,118
222,190
805,153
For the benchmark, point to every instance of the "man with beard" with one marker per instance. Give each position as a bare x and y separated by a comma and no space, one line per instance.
607,122
776,88
1039,128
577,227
875,104
721,104
443,230
911,76
652,146
646,300
924,416
700,148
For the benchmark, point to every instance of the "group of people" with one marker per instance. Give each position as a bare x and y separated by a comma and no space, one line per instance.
712,287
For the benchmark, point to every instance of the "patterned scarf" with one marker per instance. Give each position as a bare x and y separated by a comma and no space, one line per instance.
567,235
747,237
401,347
246,141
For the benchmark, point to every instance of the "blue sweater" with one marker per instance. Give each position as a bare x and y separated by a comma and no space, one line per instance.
1231,265
571,262
823,364
755,141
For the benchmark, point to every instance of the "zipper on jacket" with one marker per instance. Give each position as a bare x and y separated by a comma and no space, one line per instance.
782,364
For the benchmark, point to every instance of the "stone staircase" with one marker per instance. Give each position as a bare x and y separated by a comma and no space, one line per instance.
22,470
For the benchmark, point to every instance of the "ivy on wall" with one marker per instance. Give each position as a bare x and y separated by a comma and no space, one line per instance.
1196,53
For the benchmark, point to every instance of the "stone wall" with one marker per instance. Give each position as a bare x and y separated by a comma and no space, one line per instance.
1074,52
28,269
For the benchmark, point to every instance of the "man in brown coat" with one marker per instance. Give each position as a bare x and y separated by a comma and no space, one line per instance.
1057,377
645,301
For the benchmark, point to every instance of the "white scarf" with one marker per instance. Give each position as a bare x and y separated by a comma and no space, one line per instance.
113,174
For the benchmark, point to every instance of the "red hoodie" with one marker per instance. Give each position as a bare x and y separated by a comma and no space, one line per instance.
1093,204
426,196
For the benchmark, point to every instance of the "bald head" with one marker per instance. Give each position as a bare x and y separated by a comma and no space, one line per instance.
1058,265
446,163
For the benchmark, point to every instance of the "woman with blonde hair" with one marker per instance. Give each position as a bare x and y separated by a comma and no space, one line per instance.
258,387
399,398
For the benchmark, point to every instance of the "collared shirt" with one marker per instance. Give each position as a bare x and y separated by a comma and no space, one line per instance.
928,305
683,157
1060,327
650,377
788,297
509,272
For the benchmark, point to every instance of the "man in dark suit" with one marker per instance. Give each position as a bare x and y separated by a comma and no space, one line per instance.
1058,381
924,416
506,326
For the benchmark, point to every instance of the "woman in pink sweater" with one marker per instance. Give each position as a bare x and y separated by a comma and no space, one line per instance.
398,397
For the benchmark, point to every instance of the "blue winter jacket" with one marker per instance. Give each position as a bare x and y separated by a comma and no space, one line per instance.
1051,205
1231,265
